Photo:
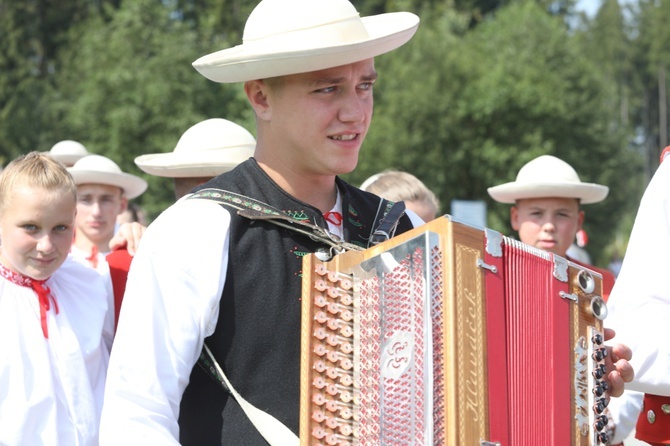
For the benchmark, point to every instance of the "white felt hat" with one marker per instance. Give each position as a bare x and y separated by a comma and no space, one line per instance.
68,152
97,169
298,36
207,149
548,176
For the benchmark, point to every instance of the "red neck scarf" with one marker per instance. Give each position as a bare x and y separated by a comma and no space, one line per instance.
333,217
93,258
40,287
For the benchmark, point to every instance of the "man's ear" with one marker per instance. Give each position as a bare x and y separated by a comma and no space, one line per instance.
257,93
580,219
124,204
514,217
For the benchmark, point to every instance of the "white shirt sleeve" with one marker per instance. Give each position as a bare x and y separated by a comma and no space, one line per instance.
624,412
639,306
170,305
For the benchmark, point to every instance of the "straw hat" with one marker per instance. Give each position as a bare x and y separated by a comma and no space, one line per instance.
548,176
298,36
68,152
207,149
97,169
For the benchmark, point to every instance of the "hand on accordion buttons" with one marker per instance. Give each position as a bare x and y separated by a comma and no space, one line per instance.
620,370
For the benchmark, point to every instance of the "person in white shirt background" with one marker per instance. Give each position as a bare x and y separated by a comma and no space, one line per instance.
53,325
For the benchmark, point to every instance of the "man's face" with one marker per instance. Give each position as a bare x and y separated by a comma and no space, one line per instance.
547,223
97,208
319,119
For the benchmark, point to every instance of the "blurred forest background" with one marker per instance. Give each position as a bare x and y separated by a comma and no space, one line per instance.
483,87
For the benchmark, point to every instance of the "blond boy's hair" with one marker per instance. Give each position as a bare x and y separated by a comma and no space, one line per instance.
38,170
395,185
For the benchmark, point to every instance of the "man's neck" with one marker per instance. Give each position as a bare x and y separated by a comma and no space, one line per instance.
317,191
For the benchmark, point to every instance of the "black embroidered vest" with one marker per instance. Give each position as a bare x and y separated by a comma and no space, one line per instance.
257,337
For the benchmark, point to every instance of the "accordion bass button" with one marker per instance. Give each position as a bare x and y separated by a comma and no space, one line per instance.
318,433
599,371
320,333
320,300
346,380
346,430
346,347
601,422
320,285
346,331
600,405
321,269
347,414
320,349
346,299
333,276
318,399
345,284
321,317
319,382
597,339
318,416
599,354
320,366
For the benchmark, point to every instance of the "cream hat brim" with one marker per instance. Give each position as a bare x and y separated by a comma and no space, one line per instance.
587,193
96,169
247,62
207,149
547,177
193,165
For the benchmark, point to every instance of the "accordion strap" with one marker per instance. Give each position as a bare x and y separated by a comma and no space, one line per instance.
388,224
257,210
274,432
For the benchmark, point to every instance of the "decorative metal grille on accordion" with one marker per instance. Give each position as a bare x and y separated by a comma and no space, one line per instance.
451,335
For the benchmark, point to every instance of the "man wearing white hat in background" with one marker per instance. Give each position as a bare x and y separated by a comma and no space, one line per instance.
547,197
103,191
204,271
207,149
68,152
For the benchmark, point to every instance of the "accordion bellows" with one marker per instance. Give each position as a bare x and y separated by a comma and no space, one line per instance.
451,335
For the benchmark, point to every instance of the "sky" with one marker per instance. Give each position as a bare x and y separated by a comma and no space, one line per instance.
590,7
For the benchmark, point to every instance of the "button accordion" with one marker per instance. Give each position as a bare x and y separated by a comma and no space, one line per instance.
451,335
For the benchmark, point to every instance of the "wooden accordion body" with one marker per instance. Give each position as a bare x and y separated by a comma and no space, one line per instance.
451,335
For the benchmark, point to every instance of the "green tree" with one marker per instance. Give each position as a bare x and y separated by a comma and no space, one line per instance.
33,32
465,113
129,89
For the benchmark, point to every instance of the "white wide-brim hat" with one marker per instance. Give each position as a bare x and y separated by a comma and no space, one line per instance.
284,37
207,149
547,176
97,169
68,152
